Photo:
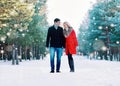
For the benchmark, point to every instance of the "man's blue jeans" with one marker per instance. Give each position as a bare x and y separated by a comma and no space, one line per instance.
52,56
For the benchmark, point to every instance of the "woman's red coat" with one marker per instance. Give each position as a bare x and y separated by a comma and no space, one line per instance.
71,43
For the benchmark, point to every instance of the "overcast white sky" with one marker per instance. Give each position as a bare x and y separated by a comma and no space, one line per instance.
72,11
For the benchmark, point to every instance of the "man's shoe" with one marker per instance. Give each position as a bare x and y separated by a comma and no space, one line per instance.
52,71
58,72
72,71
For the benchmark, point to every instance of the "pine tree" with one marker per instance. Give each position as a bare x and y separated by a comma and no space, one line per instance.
38,28
103,29
24,23
15,16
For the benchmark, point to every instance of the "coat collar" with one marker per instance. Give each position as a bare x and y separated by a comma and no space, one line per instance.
55,28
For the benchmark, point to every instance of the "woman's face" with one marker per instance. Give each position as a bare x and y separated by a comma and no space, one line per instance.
65,25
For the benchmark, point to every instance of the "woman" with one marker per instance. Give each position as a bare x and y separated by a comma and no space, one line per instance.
71,44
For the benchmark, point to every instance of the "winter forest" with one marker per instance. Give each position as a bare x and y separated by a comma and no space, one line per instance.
99,34
25,59
23,28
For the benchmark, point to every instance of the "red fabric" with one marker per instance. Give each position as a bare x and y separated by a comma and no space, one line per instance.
71,43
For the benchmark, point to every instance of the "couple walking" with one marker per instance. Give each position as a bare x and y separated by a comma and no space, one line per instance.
59,38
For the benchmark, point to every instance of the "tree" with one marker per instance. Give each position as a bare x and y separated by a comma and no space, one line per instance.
15,16
38,28
103,28
24,23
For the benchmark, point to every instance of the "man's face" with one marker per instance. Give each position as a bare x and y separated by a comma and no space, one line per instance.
57,23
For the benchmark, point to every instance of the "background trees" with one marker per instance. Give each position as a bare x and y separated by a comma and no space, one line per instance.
102,35
23,23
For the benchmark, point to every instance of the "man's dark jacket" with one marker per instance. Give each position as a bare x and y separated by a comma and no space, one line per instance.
55,37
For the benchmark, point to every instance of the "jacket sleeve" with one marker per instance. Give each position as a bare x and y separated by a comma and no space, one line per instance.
64,40
75,38
48,38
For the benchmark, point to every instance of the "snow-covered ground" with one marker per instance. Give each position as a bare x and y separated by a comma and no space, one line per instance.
36,73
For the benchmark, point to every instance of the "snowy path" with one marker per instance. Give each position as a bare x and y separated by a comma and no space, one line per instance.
36,73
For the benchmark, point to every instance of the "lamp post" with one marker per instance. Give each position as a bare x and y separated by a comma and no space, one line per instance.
2,52
15,48
15,55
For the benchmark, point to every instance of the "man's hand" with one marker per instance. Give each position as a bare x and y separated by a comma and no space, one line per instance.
47,49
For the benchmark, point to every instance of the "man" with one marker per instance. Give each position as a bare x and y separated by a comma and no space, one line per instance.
56,41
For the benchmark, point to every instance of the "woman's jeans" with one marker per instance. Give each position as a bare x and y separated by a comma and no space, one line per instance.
58,55
71,62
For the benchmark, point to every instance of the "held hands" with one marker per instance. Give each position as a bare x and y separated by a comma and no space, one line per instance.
47,49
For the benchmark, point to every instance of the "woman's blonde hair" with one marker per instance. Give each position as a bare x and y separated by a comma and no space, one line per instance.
68,24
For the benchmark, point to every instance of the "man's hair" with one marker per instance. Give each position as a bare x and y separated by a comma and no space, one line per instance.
56,19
